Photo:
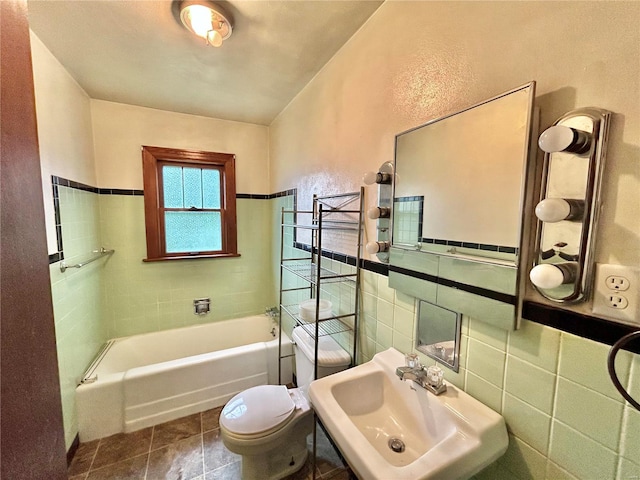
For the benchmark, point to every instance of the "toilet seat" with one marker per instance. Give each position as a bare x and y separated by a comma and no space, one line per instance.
258,411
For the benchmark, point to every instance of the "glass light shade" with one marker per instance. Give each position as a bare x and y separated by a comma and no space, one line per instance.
556,139
377,247
546,276
378,212
370,178
206,20
553,210
198,19
560,138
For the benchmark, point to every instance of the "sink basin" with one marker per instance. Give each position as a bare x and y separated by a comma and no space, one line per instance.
387,428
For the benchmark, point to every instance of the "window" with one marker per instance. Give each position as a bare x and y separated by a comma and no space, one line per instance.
189,204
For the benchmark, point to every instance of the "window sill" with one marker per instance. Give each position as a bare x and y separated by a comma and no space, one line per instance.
192,257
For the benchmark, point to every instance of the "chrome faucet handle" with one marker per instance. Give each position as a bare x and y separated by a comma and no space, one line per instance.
434,380
412,360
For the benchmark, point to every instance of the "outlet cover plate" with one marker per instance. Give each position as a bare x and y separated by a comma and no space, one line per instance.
601,303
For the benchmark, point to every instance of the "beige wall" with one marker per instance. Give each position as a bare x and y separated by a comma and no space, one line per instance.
120,130
64,128
415,61
66,150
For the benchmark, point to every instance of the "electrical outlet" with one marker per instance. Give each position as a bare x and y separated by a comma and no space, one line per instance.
616,293
617,301
616,282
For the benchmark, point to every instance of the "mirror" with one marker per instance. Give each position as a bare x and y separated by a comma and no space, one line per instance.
460,179
458,208
438,334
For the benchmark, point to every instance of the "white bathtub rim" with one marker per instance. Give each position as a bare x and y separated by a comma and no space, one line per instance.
103,378
178,363
199,326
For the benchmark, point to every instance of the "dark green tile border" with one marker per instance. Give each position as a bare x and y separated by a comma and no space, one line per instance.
64,182
483,292
476,246
593,328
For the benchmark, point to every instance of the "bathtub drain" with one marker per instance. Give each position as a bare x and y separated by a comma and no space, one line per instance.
396,445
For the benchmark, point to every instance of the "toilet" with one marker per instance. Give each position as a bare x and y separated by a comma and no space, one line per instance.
268,425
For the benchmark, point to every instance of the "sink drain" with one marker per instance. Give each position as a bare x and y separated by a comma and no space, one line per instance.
396,445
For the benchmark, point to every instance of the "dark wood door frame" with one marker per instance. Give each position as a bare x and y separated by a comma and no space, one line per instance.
32,437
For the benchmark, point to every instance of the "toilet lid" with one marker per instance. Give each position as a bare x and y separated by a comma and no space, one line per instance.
257,409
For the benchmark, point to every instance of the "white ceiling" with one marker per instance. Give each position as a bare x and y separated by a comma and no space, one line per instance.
137,52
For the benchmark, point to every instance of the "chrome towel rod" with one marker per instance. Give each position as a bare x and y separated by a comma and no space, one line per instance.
98,254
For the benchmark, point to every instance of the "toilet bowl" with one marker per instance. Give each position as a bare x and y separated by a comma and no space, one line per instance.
268,425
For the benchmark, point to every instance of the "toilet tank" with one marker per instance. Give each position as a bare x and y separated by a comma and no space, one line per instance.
332,357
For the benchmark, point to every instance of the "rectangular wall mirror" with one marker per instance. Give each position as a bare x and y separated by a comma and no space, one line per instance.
459,194
438,334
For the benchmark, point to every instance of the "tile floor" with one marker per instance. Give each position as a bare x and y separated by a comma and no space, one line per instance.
188,448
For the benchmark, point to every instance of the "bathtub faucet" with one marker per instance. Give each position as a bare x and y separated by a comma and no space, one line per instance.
273,313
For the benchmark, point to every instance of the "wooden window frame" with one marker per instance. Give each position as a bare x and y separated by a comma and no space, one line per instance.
152,160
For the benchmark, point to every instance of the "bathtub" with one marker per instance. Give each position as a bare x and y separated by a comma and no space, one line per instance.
144,380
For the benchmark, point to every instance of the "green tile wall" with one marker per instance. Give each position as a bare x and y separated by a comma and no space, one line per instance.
141,297
498,278
120,295
565,419
76,294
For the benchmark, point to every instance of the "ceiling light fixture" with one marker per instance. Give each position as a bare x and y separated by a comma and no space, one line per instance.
206,20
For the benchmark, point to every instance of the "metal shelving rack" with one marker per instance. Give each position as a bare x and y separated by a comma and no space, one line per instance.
329,213
310,269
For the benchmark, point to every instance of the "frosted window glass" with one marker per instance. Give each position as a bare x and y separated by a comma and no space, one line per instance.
192,187
193,231
211,188
172,184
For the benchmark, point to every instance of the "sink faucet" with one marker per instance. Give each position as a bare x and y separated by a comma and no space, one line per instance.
420,376
411,373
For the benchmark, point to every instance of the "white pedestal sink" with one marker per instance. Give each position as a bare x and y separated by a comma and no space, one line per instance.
390,429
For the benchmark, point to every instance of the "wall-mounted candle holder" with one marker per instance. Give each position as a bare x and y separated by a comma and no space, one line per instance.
575,148
382,212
